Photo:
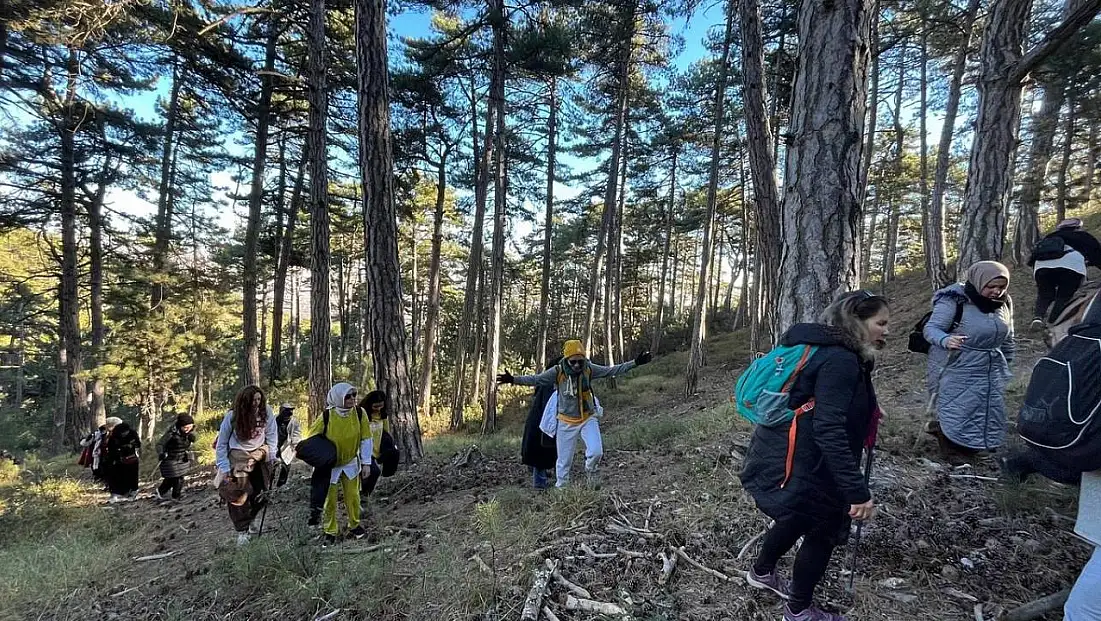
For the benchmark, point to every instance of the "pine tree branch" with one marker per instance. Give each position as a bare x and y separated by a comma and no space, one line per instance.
1055,39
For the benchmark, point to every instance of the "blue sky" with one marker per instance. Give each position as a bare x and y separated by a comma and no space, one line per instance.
410,23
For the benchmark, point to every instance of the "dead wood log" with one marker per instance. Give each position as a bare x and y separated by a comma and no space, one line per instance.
153,557
591,553
534,603
1037,608
571,587
549,614
718,574
668,565
600,608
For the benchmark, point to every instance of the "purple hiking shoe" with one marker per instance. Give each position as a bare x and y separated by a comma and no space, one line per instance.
768,582
811,614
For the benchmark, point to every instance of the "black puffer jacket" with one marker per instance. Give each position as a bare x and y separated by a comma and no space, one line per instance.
122,443
1080,241
174,451
537,448
826,475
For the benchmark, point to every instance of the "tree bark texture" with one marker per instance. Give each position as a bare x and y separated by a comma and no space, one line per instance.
282,264
95,272
316,154
1064,167
542,346
163,232
762,163
1044,125
432,319
936,254
821,208
497,256
696,359
659,314
384,294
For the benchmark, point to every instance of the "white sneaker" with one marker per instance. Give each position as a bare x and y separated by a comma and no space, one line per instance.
115,498
243,539
253,528
157,493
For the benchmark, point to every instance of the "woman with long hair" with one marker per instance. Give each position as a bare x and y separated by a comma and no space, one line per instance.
245,451
812,488
375,408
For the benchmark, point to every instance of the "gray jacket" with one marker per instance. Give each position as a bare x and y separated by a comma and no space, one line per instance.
970,383
568,404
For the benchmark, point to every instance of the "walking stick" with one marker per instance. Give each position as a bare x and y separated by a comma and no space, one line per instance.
860,525
267,501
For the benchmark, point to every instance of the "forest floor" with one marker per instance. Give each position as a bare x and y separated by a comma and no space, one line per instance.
459,535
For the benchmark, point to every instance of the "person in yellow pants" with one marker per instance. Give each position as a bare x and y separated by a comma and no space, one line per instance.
354,448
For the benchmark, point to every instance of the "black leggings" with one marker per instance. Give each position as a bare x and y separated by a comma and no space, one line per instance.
172,483
319,488
1055,286
810,562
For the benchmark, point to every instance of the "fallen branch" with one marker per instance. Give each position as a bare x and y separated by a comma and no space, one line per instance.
563,541
153,557
619,529
571,587
649,512
973,476
978,612
961,595
481,564
600,608
1038,608
549,614
668,565
591,553
328,615
631,553
718,574
121,593
353,549
749,544
534,602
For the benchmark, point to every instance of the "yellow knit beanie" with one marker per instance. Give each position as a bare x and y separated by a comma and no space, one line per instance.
573,348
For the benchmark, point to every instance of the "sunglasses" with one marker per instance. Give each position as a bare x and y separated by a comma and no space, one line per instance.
350,395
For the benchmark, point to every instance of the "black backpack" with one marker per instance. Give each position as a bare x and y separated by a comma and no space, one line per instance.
388,455
917,342
1060,415
1050,248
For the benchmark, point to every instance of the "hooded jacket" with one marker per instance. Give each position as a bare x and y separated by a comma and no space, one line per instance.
826,475
122,442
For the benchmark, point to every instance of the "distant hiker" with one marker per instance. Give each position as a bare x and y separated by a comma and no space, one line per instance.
245,452
120,460
344,425
1060,261
93,445
538,450
810,481
577,412
375,407
174,451
968,366
290,434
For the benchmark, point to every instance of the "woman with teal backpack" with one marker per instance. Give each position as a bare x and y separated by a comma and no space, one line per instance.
803,470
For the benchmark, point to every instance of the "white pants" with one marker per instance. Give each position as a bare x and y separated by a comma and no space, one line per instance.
1084,603
566,438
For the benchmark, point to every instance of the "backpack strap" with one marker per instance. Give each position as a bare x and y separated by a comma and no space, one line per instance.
325,423
957,318
789,462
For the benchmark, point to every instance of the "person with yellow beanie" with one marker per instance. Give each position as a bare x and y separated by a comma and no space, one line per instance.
578,411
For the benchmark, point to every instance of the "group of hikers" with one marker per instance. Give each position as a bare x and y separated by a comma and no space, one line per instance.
812,400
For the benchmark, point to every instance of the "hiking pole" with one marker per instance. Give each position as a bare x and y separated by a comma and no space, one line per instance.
860,525
267,500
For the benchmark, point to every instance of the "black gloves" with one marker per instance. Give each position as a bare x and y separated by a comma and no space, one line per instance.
504,377
643,358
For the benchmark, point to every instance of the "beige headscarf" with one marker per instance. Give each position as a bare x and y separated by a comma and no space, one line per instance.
980,274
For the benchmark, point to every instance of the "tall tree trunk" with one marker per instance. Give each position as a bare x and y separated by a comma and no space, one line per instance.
933,261
95,272
428,359
543,345
1004,67
282,264
890,249
471,299
699,323
873,121
78,424
869,236
21,356
376,164
659,315
316,155
822,194
762,162
497,256
250,274
1044,125
936,255
622,85
1091,164
200,381
163,233
1064,167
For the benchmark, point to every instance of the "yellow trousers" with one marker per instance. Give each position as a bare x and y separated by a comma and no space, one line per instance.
351,504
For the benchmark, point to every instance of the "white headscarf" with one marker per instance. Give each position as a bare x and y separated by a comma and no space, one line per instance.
335,399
